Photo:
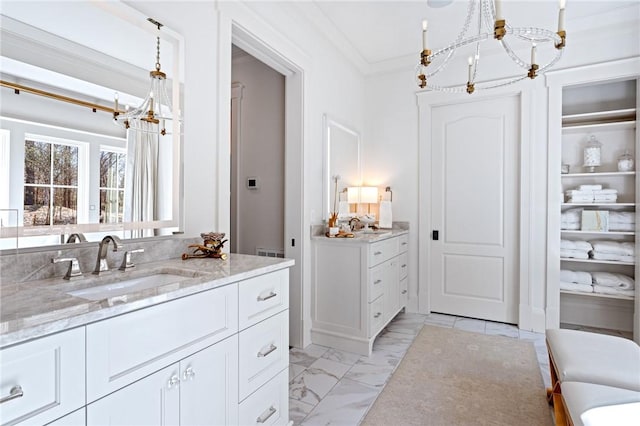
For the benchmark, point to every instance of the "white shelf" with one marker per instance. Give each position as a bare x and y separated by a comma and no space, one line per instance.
596,261
601,295
597,174
602,120
578,232
598,204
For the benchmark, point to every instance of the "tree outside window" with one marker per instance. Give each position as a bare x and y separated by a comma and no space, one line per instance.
112,178
50,184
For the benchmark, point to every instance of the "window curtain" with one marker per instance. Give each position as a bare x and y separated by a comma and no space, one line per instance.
142,178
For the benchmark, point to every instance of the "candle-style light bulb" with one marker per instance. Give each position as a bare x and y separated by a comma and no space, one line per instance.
470,60
115,101
562,5
425,40
498,4
150,101
533,53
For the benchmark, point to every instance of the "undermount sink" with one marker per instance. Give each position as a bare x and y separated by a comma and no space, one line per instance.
131,285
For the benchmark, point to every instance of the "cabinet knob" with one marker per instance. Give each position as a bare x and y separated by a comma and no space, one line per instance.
15,392
188,374
173,381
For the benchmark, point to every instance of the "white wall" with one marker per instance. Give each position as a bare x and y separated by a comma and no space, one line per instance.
260,155
391,139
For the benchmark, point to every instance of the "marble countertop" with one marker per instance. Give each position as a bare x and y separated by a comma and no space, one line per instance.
364,237
34,309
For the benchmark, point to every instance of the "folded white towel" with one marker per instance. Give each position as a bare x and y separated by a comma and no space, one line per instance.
612,290
612,256
576,245
620,226
580,199
571,215
578,277
583,288
615,247
605,198
622,217
590,187
574,254
612,279
606,192
575,192
570,226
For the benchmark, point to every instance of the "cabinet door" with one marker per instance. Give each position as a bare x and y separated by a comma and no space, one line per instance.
77,418
391,290
209,385
152,401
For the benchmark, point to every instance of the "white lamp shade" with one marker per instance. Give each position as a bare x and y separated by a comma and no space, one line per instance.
353,194
368,194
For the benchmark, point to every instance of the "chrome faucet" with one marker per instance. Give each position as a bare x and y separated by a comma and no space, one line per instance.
101,262
76,237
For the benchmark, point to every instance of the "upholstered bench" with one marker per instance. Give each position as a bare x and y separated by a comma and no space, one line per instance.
587,404
591,358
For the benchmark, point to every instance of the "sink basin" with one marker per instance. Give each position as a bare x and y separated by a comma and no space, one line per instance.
120,288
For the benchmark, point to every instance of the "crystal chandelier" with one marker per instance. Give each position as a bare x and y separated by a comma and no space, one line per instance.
491,28
156,109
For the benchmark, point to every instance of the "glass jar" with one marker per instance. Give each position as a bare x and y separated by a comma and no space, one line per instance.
592,154
625,162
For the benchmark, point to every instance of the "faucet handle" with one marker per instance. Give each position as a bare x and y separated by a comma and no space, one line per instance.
126,260
74,267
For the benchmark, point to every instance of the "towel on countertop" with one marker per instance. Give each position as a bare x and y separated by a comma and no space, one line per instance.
583,288
385,220
612,256
574,254
577,277
612,290
612,279
614,247
576,245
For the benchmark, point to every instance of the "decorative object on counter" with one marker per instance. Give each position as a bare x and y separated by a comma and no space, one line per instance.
564,169
592,154
211,247
385,215
625,162
333,217
340,234
595,220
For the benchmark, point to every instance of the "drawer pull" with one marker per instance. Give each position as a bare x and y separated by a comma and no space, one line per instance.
188,374
173,381
267,297
404,291
265,416
377,315
404,243
404,266
377,282
272,348
15,392
377,253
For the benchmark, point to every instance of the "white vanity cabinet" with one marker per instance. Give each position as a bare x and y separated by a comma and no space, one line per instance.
358,287
43,379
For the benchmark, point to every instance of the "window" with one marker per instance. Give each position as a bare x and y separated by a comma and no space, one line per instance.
50,183
112,178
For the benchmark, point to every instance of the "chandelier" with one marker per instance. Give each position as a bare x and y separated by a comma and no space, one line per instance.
156,109
491,28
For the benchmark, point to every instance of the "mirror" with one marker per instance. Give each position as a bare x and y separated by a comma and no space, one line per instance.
67,167
341,160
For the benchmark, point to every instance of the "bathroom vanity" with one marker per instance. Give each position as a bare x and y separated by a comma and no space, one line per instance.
359,284
211,347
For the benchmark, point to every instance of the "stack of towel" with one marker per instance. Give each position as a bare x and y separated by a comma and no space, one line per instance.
576,281
613,250
622,221
575,249
612,283
592,194
570,219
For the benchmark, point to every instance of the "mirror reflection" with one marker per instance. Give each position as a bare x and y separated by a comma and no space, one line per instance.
341,163
67,167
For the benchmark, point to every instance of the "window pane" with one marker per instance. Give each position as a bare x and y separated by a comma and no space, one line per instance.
107,168
65,206
36,206
37,162
122,162
111,205
65,165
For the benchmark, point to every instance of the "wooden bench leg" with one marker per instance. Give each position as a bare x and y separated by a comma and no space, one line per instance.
558,410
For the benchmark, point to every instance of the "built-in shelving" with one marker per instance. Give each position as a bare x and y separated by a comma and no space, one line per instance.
602,295
597,174
603,262
578,232
598,204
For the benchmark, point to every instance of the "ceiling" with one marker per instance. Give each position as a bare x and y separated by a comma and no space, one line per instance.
378,35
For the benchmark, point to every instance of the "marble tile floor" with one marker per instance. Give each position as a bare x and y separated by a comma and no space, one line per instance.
332,387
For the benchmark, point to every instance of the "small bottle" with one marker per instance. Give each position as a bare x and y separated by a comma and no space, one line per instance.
625,162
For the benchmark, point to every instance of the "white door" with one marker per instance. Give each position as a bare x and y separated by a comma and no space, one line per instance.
473,267
152,401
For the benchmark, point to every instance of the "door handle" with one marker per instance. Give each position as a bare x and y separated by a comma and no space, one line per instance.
435,235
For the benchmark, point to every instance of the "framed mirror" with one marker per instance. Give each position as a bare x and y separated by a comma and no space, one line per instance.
341,161
67,166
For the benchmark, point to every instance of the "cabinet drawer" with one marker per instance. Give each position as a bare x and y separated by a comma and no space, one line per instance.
376,315
377,277
50,373
269,405
263,296
403,243
128,347
403,265
263,352
382,250
404,292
